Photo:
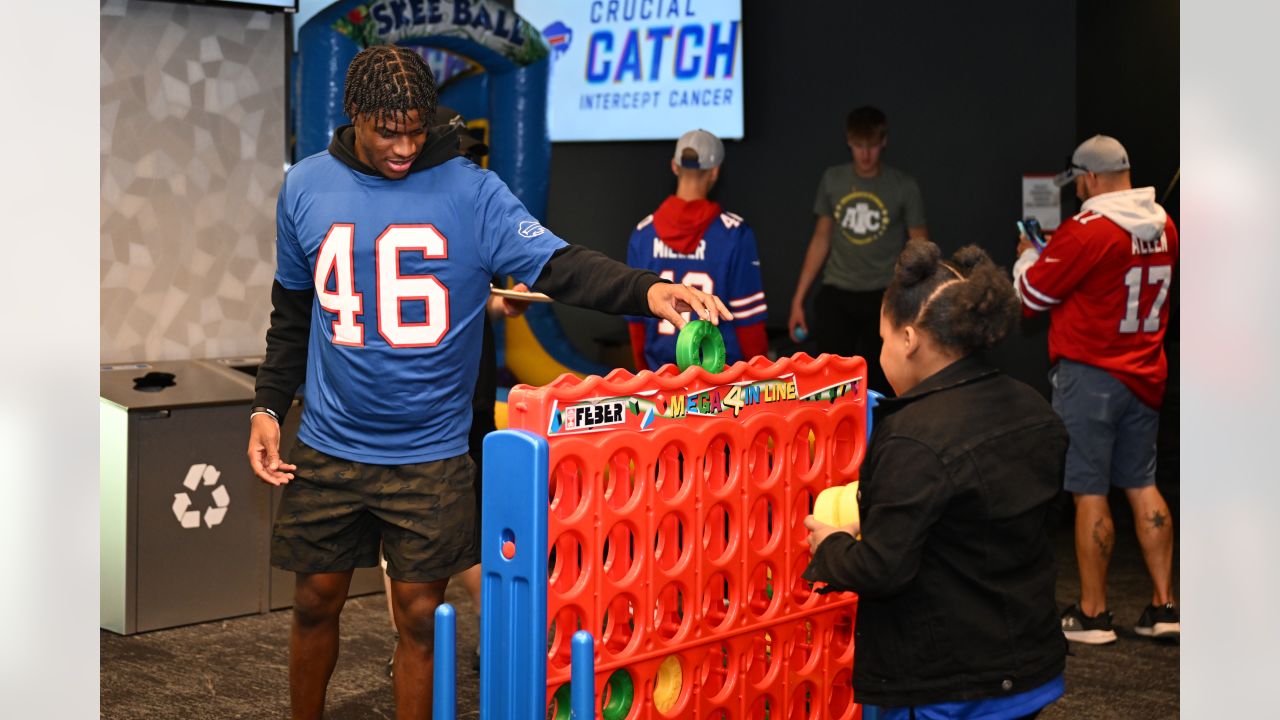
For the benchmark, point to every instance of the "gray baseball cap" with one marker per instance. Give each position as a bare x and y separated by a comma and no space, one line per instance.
1098,154
708,147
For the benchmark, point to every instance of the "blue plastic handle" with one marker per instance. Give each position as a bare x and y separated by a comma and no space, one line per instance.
444,699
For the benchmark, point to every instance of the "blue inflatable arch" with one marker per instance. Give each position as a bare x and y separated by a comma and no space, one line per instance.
512,53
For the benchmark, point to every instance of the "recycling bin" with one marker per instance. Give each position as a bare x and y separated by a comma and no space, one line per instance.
280,583
184,523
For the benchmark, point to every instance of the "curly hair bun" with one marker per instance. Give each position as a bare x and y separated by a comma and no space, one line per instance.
917,264
981,309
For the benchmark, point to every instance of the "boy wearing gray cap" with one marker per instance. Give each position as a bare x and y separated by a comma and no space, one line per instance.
1104,280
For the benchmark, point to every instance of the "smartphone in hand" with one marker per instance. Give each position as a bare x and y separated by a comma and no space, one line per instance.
1030,228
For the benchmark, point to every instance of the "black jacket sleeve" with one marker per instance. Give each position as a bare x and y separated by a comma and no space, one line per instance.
585,278
898,508
284,368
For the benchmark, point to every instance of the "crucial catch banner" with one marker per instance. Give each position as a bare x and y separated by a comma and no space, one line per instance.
641,69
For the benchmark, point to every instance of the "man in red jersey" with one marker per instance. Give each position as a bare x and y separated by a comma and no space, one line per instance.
1104,280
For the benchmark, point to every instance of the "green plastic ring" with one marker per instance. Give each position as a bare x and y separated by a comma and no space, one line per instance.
562,703
622,692
700,337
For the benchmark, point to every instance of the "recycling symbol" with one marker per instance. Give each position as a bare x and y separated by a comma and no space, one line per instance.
182,501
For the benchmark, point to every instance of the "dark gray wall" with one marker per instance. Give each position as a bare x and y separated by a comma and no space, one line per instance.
976,96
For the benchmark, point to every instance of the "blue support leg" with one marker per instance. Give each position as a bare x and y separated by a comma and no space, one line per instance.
444,699
513,564
582,680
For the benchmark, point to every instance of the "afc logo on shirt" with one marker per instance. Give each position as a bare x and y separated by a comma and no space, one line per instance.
862,217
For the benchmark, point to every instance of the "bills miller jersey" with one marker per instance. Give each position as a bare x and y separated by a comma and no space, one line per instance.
725,263
1104,279
401,272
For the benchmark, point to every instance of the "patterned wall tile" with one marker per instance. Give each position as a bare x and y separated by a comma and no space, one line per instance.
193,146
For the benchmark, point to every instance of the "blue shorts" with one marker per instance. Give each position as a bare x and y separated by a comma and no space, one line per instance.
1113,433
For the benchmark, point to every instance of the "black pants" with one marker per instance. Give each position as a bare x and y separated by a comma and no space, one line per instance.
847,323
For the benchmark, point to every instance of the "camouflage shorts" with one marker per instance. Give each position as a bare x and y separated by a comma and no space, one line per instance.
335,513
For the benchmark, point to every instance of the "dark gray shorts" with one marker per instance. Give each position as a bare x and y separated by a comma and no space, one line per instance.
335,513
1113,433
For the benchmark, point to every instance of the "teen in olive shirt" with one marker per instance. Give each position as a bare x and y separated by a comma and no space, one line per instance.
865,212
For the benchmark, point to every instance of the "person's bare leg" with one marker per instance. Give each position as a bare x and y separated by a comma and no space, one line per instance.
1095,539
471,581
415,611
391,606
313,639
1155,535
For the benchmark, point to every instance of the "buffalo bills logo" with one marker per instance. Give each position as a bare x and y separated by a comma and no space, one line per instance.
530,229
558,36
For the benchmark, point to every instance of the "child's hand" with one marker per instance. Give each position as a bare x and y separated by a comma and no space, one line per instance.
819,531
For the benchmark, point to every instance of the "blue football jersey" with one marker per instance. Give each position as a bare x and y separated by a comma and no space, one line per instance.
401,272
725,262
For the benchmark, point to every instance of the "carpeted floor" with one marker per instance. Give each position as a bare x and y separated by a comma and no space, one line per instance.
237,668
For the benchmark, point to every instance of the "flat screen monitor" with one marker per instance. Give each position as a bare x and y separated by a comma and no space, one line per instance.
277,5
641,69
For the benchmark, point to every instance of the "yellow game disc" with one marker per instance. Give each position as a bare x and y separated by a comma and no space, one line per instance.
825,508
666,688
848,505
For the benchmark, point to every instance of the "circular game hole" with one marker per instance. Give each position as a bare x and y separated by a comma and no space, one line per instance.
669,547
761,595
801,507
804,450
845,443
840,704
618,630
841,640
801,589
669,613
567,621
804,702
761,528
620,479
567,489
760,660
670,471
718,533
806,643
565,567
718,601
764,707
717,465
761,462
619,552
717,673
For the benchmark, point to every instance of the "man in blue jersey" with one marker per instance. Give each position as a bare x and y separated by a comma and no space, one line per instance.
385,246
690,240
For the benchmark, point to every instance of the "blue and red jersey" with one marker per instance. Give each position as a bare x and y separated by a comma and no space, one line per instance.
724,261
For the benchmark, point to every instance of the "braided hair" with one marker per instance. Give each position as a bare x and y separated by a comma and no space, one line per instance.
966,304
387,82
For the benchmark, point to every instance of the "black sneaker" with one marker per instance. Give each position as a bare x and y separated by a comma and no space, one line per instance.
1081,628
1160,622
